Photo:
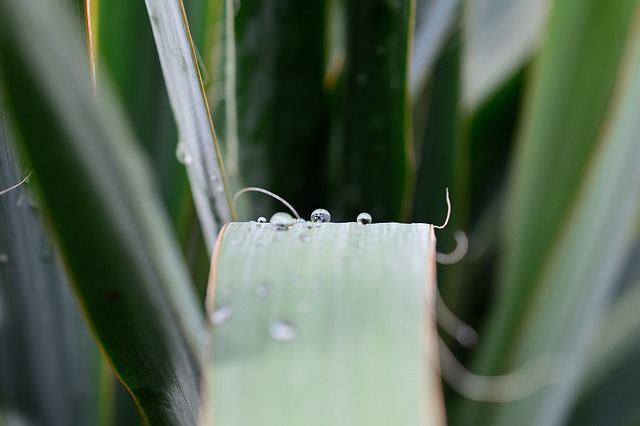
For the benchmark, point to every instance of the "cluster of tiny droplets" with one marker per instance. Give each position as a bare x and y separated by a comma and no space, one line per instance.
283,220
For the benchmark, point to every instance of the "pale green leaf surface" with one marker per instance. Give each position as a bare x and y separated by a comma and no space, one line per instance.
359,298
188,102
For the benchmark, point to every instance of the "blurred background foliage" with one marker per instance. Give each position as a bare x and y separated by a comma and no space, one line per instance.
525,109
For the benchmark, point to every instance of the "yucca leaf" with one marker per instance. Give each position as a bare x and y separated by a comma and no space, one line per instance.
198,145
323,324
558,281
114,236
500,37
49,363
371,158
281,111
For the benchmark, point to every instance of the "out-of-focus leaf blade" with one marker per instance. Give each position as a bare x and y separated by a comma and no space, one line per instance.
371,161
554,304
609,391
321,325
49,362
126,53
281,114
435,19
198,144
500,36
125,267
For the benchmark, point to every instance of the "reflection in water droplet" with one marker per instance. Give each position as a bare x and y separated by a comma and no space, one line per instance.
303,306
364,218
221,315
297,376
320,216
262,219
282,221
282,331
4,257
182,153
262,290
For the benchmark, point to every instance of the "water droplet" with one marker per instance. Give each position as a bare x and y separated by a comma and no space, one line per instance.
304,238
364,218
182,153
262,290
320,216
221,315
282,221
4,257
216,183
300,220
303,306
262,219
282,331
297,376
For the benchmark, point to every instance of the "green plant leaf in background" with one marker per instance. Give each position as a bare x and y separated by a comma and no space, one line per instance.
576,170
323,324
371,158
50,366
126,269
281,104
198,147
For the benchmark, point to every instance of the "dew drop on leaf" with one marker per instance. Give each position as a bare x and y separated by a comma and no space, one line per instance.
262,219
221,315
320,216
282,331
364,218
282,221
182,153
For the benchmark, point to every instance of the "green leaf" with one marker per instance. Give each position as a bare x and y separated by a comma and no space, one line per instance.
114,235
126,55
281,105
371,160
575,199
198,145
500,37
607,396
50,364
323,324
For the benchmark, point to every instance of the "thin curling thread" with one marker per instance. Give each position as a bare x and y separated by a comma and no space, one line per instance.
11,188
448,213
269,193
462,245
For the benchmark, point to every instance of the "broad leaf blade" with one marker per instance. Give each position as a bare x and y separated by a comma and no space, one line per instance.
125,267
359,303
